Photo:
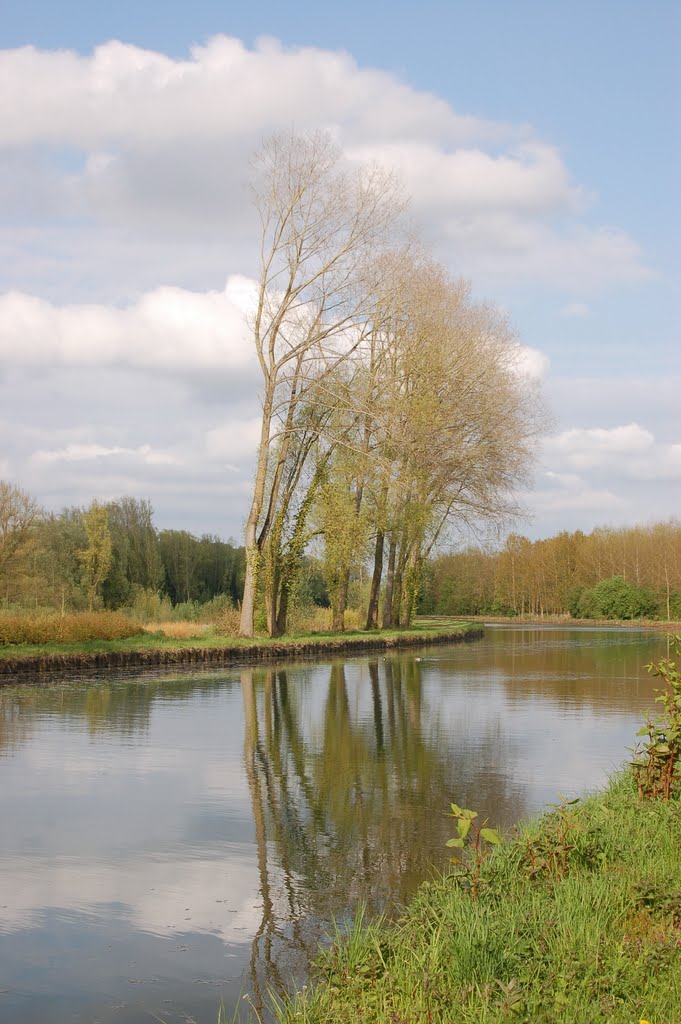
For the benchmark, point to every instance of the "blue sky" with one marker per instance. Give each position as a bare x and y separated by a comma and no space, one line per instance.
557,194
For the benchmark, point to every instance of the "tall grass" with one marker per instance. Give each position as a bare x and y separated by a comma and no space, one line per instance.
600,942
73,627
180,630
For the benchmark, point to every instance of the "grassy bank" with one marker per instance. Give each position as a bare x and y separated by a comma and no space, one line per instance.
152,649
567,620
593,935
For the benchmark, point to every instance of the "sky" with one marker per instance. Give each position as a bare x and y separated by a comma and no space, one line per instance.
540,145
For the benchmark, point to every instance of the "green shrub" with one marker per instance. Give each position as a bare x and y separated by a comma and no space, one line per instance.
186,611
216,609
148,605
674,606
616,598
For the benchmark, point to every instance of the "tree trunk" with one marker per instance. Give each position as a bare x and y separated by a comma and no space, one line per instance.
271,602
397,597
340,604
250,534
372,612
389,584
411,589
282,611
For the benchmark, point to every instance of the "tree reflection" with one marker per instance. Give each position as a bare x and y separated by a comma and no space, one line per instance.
123,706
348,785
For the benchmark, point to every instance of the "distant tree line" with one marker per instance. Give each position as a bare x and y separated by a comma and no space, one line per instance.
108,555
626,573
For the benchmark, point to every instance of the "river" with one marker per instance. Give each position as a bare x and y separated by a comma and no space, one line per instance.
171,843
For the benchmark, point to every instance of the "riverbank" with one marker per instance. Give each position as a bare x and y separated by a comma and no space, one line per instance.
578,919
154,651
567,620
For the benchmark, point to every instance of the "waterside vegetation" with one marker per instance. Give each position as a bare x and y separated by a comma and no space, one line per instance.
577,918
598,942
141,648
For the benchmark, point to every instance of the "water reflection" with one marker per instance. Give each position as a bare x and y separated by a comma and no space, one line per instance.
348,792
173,841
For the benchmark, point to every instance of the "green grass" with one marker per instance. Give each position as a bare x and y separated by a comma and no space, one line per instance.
427,631
600,944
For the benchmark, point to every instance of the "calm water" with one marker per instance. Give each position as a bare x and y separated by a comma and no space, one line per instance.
170,843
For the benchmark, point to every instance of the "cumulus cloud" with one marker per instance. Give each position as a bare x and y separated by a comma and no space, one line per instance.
531,362
586,449
528,179
123,94
168,329
501,246
89,452
593,476
133,141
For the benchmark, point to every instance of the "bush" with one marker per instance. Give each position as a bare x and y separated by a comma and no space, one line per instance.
313,619
73,628
615,598
674,606
148,605
216,609
574,602
228,622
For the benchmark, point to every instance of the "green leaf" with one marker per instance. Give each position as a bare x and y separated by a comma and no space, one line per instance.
469,815
491,835
464,827
456,809
458,843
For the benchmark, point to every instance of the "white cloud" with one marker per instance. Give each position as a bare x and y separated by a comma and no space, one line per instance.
624,453
151,147
169,329
569,492
531,362
89,452
585,449
125,95
502,246
529,179
593,476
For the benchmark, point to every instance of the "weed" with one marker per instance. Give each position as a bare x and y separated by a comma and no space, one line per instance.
656,761
475,843
549,852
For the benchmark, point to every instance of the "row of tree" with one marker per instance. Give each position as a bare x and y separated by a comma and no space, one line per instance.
565,574
392,405
107,555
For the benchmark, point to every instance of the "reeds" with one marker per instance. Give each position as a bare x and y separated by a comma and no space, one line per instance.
73,627
180,630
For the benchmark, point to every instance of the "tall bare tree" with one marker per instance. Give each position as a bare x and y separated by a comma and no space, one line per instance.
322,226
